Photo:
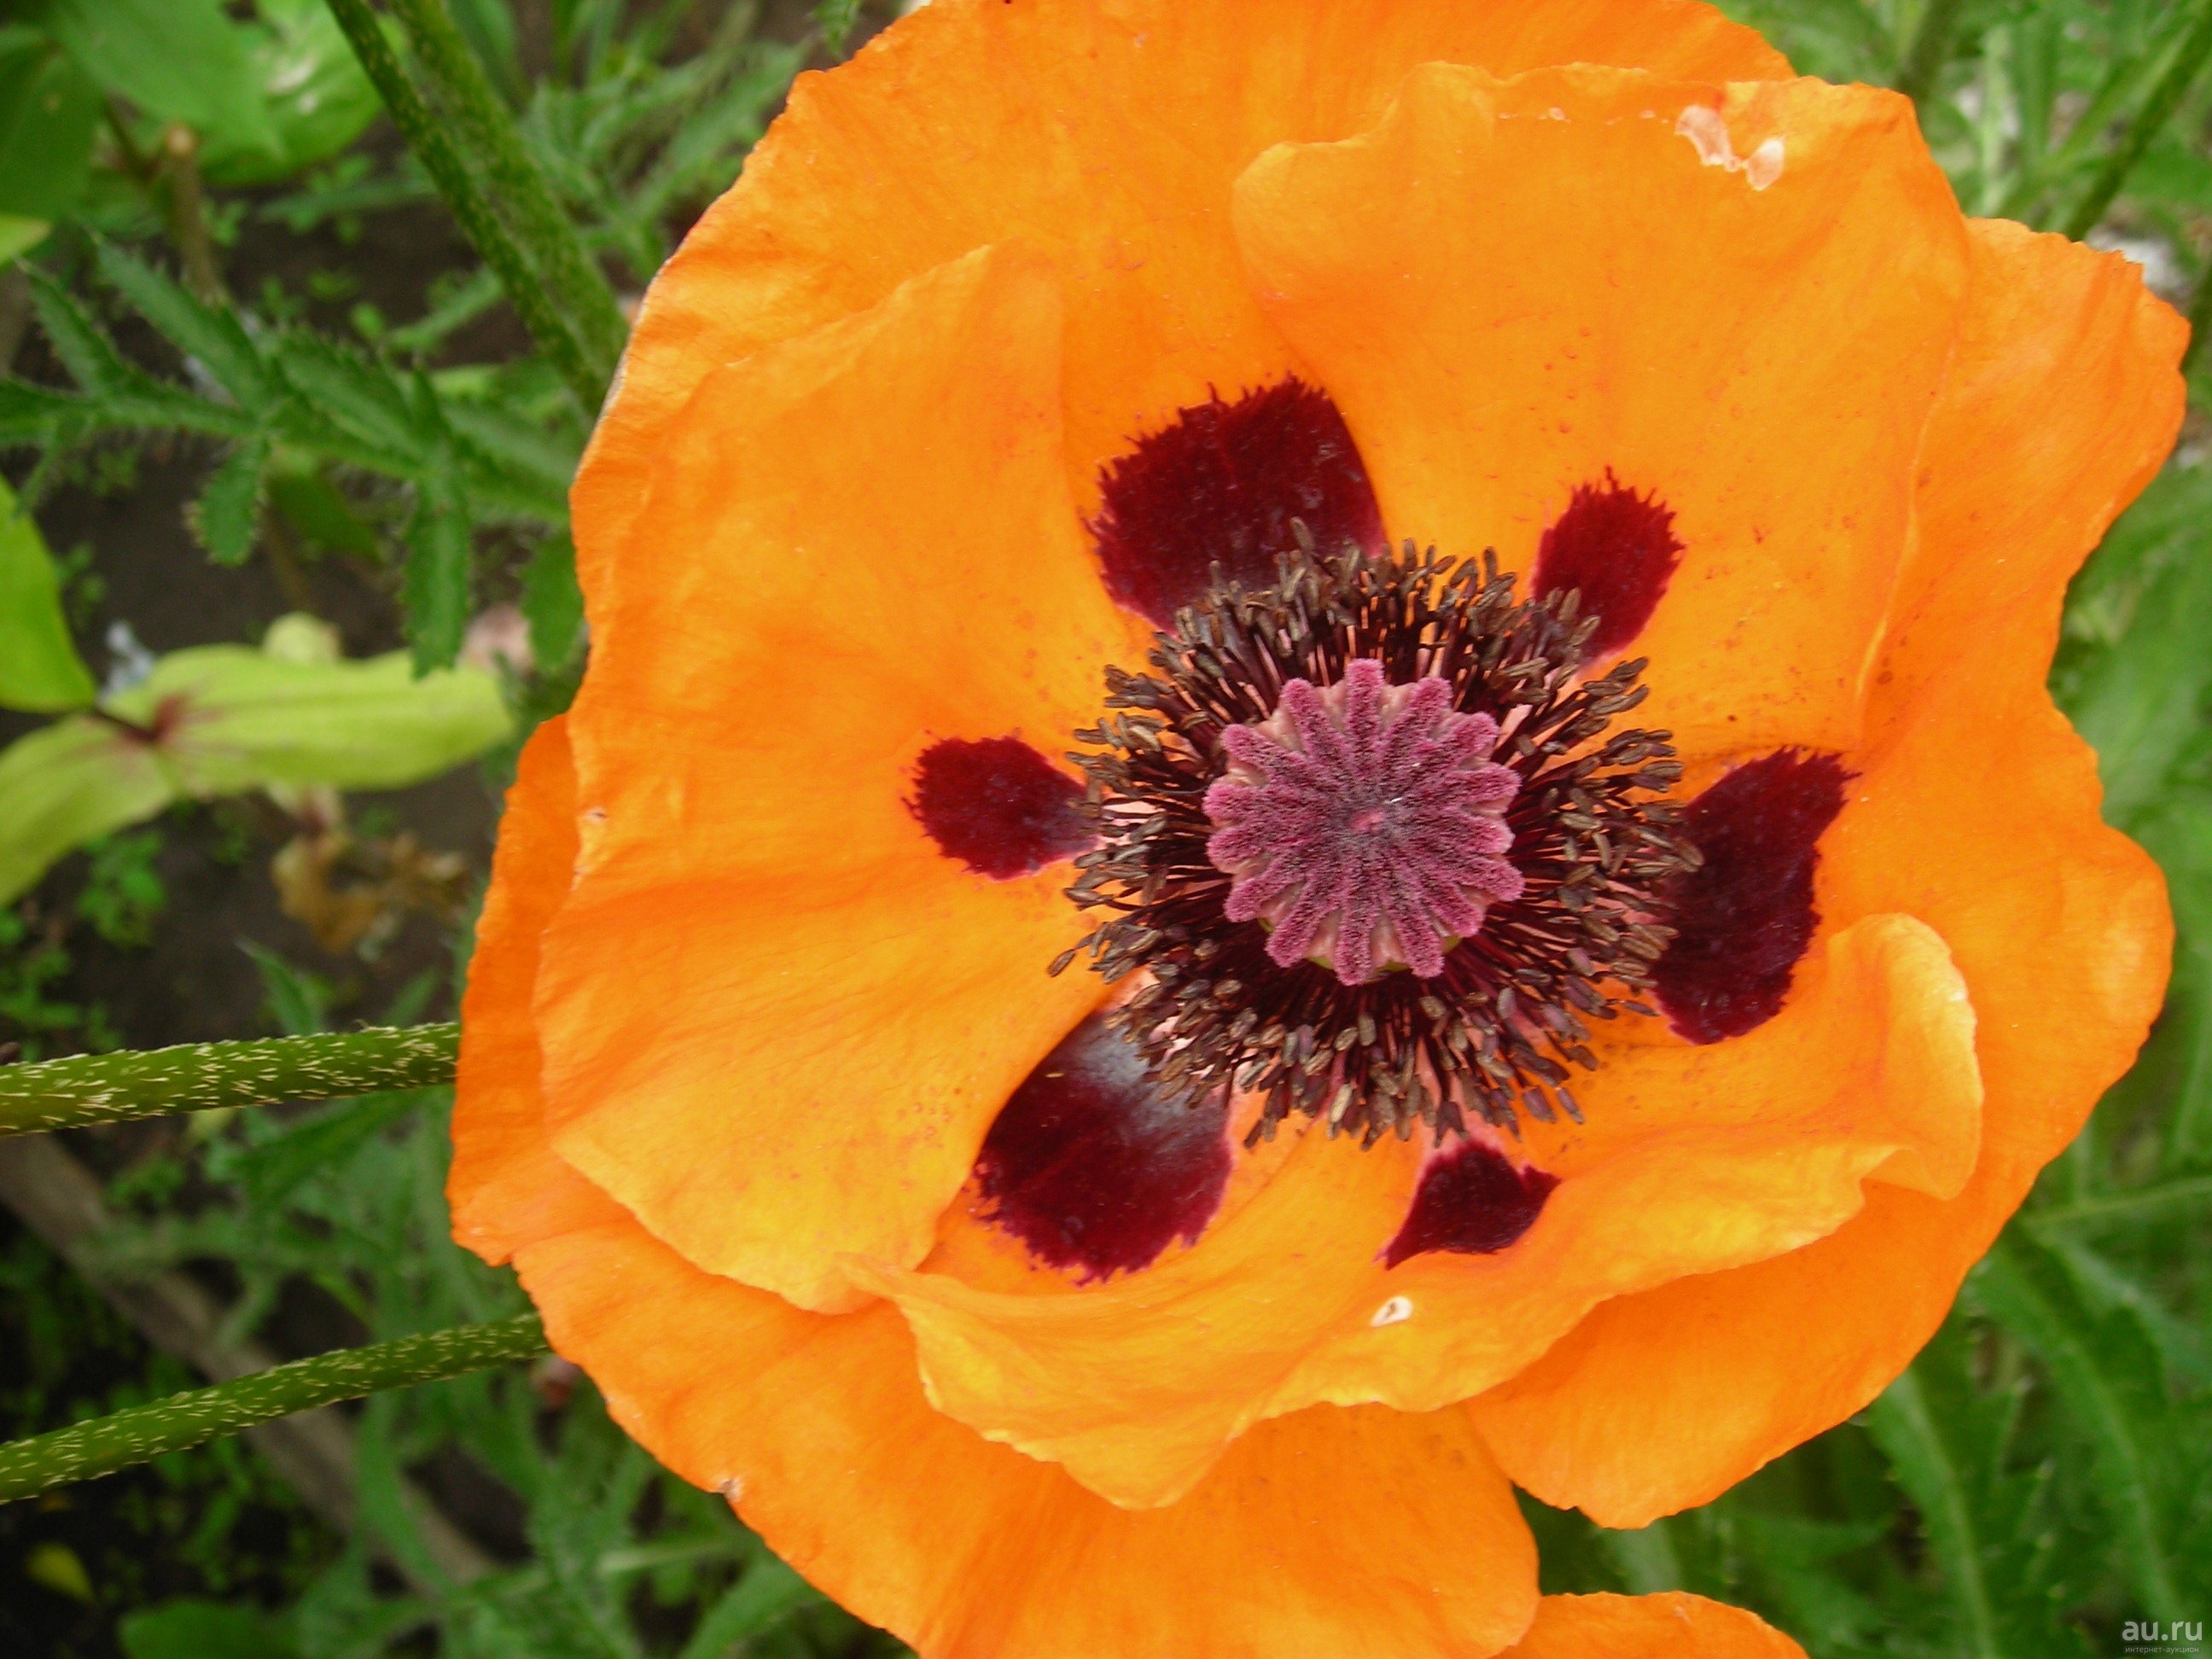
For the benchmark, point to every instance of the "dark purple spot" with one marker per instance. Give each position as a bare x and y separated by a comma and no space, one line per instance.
1743,917
1620,548
1472,1201
998,805
1222,484
1093,1167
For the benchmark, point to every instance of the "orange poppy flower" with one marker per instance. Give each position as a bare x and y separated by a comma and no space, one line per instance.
1565,1007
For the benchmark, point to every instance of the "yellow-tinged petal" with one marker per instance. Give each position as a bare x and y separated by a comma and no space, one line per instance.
1696,1159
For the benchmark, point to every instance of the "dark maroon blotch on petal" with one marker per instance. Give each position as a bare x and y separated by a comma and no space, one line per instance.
1472,1201
998,805
1094,1167
1222,483
1620,548
1744,918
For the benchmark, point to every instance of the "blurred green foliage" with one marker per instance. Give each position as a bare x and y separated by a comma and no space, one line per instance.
2041,1474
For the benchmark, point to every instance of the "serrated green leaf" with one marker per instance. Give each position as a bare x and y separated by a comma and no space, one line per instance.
1947,1443
237,719
227,515
81,344
360,398
437,583
176,60
301,490
2106,1372
40,668
66,783
211,333
36,414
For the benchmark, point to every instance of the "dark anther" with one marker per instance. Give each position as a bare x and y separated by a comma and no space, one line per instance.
1496,1028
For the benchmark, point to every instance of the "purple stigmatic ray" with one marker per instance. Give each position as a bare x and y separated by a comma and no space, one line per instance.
1743,917
1093,1167
1365,823
997,806
1619,550
1221,483
1472,1201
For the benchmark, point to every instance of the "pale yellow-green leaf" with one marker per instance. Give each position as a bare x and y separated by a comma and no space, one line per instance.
235,718
65,783
19,235
40,668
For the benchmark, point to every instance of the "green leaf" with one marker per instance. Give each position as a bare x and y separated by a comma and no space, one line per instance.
313,86
1947,1443
436,590
65,783
177,60
194,1629
2106,1372
301,490
836,18
210,333
49,113
553,603
227,514
358,397
40,668
2136,676
767,1595
235,718
19,235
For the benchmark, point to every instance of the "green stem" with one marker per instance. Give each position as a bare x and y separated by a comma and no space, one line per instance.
2150,120
2191,1196
459,84
60,1094
1930,49
107,1443
469,205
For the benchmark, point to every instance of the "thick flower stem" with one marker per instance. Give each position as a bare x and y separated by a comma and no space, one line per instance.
2150,121
107,1443
60,1094
533,304
459,85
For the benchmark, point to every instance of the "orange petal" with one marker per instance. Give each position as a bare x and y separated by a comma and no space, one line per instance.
1108,135
1978,813
2063,403
1368,1534
1671,1625
505,1186
1696,1158
1510,288
777,1019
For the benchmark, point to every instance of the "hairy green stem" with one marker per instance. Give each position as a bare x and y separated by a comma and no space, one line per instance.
1930,49
60,1094
459,85
469,205
107,1443
2150,120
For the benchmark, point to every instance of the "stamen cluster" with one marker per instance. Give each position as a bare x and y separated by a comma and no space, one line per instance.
1495,1029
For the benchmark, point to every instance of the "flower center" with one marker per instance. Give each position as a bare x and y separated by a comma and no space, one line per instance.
1320,783
1364,825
